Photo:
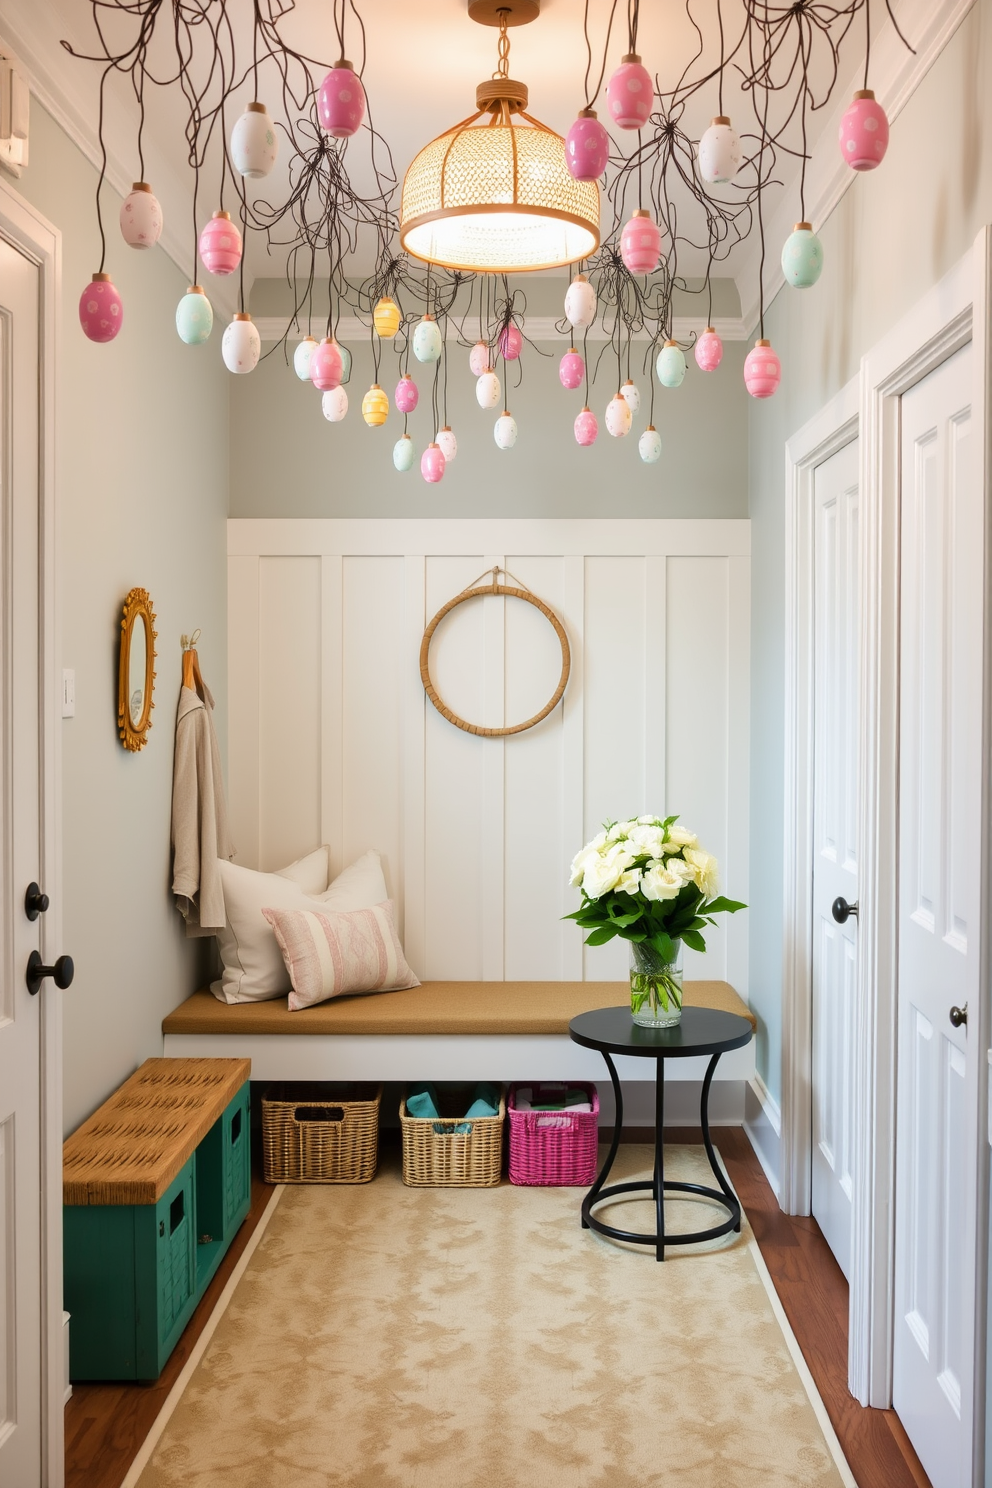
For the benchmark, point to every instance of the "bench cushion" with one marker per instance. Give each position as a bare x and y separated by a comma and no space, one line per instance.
435,1008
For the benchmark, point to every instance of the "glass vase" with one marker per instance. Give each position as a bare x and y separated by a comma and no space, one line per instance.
655,986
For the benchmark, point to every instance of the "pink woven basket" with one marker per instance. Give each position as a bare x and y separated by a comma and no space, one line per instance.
556,1149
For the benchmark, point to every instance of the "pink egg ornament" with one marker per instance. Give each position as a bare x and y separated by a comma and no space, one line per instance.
141,217
587,147
640,243
630,93
708,351
510,343
586,427
326,366
220,244
407,394
571,369
432,463
101,310
864,132
478,358
762,370
341,101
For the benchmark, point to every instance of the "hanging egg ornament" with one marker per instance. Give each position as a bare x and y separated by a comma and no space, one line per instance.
478,358
194,316
587,147
721,153
670,365
345,363
403,453
580,303
242,345
640,243
708,350
325,365
427,340
585,426
301,357
375,407
432,463
447,443
254,144
631,395
510,343
802,257
386,318
101,310
618,416
220,244
571,369
762,370
407,394
864,132
141,217
487,390
630,93
649,445
505,430
341,101
334,404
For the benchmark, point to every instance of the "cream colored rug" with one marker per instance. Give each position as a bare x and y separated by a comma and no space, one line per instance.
387,1337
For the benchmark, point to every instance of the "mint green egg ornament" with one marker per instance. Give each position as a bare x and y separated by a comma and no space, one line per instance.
194,317
427,340
345,363
802,257
670,365
403,453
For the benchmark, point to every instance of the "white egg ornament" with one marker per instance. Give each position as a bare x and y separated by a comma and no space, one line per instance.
618,416
254,143
447,443
141,217
649,445
301,357
334,404
580,303
721,153
505,430
242,345
478,358
631,395
488,390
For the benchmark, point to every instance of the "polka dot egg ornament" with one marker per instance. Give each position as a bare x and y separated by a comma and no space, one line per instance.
505,430
242,345
630,94
101,310
510,343
254,144
487,390
478,358
721,153
640,244
762,370
447,443
427,340
432,464
341,101
618,416
587,147
386,318
864,132
375,407
670,365
708,351
407,395
334,404
649,445
301,357
194,317
571,369
141,217
325,365
631,395
586,427
220,244
802,257
403,453
580,303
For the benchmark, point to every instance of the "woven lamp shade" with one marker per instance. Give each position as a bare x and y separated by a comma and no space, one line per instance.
498,198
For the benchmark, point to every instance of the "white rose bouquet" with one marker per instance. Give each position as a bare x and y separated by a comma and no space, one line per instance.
649,882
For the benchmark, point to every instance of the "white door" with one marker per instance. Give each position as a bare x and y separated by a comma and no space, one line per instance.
835,866
940,899
21,1311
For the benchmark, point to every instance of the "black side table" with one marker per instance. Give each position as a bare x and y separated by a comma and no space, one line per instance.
701,1031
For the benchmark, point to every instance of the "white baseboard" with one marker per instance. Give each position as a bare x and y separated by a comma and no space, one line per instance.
763,1125
727,1099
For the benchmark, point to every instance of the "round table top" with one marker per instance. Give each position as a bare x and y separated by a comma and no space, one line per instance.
701,1031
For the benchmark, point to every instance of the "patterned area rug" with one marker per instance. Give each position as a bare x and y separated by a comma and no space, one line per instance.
387,1337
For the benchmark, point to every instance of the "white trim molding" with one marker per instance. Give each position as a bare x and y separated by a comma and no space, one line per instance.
763,1125
830,430
538,327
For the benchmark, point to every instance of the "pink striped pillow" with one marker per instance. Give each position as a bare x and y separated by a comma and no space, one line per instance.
330,953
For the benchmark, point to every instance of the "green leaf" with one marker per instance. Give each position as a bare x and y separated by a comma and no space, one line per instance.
694,939
601,936
662,943
720,905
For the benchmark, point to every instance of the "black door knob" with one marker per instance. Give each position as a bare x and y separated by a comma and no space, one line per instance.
958,1016
35,902
841,910
61,973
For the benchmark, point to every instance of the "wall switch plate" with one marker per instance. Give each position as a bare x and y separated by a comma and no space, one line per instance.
68,693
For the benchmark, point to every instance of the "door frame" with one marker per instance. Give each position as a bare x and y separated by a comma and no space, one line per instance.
31,234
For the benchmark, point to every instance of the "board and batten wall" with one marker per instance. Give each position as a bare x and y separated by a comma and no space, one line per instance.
332,738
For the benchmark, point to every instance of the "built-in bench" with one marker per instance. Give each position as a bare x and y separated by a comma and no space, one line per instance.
443,1031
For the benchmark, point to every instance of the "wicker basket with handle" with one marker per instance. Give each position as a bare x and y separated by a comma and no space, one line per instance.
554,1149
435,1155
320,1133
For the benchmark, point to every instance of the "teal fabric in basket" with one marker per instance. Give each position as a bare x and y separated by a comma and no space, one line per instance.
422,1102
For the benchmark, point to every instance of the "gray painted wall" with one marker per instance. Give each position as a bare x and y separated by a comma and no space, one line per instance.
142,472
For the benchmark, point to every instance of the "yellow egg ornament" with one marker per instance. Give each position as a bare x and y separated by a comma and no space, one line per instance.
386,318
375,407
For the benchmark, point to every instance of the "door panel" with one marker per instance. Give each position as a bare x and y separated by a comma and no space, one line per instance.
835,866
940,872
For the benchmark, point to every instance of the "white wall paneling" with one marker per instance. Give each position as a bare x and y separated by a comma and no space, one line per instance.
332,738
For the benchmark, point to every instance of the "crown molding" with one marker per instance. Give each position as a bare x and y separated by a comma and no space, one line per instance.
895,75
536,327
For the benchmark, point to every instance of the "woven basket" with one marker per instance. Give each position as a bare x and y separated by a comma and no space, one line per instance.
449,1159
320,1133
557,1149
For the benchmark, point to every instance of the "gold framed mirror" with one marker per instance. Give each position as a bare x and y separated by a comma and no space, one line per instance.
136,674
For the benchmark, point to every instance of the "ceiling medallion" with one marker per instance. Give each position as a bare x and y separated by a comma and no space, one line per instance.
497,197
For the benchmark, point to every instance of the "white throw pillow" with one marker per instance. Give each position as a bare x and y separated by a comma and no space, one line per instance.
330,953
254,970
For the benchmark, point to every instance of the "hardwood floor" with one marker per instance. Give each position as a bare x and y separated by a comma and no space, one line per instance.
105,1425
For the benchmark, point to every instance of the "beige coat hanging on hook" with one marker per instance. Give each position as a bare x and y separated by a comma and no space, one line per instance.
511,592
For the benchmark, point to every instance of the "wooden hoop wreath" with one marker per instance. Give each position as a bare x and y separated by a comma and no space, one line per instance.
513,593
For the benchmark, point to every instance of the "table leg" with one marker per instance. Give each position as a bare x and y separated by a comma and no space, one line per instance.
604,1173
704,1121
659,1159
